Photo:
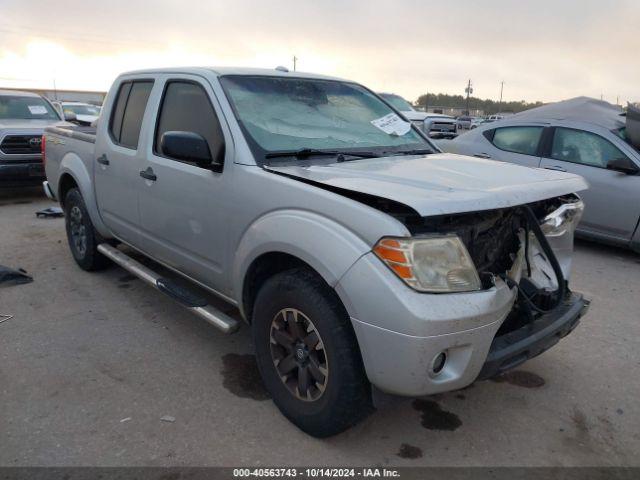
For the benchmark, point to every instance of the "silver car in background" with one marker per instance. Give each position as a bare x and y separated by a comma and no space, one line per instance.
583,136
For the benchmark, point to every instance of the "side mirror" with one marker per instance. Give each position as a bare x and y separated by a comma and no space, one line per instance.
623,165
70,116
191,147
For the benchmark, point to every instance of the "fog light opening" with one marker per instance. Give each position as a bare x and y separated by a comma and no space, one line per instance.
438,362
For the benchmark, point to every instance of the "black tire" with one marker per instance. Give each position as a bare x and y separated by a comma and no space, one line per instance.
81,235
345,397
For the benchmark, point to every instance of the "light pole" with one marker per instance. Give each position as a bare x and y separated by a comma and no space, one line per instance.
500,103
295,60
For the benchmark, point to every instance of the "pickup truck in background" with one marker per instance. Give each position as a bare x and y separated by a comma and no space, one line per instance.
23,116
362,258
434,125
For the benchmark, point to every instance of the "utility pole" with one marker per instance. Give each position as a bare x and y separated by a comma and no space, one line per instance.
55,88
469,91
295,60
500,103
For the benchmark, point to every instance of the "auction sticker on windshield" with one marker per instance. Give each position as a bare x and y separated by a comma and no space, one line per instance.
392,124
37,110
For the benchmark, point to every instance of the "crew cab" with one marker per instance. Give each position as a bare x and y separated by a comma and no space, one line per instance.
23,116
362,258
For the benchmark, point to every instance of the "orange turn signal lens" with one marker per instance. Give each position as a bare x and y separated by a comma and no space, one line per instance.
390,254
395,255
402,271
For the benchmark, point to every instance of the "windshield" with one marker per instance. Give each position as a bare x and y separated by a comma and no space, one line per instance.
26,108
397,102
81,109
284,114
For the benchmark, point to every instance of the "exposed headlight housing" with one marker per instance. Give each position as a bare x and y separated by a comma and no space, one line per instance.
435,264
562,220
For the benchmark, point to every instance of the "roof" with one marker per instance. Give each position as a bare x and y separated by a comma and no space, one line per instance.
18,93
581,109
220,71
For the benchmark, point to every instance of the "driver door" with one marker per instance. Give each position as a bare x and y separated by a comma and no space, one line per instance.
184,207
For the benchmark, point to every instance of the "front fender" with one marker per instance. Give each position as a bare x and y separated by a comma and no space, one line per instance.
71,164
329,247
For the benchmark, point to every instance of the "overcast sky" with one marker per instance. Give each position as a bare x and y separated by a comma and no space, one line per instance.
543,50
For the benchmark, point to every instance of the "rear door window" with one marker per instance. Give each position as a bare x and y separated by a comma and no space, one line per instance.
522,140
128,111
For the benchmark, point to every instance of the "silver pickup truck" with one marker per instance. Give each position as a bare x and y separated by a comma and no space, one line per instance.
359,254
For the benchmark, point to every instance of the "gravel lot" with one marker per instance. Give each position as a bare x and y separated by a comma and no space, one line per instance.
91,363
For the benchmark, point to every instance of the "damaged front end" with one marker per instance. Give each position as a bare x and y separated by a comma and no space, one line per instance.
528,248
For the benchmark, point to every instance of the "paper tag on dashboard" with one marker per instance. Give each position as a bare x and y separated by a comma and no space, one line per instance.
392,124
37,109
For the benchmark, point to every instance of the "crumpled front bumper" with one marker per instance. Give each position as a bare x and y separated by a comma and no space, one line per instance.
510,350
401,332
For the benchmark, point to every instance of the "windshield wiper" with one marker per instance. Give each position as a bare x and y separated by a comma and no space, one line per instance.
423,151
307,152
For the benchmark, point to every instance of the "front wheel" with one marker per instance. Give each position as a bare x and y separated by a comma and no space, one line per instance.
81,235
308,355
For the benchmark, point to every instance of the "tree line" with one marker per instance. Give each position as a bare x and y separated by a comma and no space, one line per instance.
458,101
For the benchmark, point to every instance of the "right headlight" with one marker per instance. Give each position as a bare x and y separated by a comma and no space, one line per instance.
435,264
562,220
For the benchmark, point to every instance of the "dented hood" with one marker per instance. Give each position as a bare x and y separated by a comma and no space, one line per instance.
442,183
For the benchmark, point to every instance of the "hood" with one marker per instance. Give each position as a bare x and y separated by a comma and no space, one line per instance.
440,184
26,124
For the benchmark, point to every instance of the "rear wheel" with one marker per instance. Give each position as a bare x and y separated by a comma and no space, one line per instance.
308,355
81,235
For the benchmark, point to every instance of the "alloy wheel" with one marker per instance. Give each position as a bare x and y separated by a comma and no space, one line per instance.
298,354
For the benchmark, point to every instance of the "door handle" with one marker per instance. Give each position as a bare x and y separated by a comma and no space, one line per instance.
556,168
148,174
482,155
102,160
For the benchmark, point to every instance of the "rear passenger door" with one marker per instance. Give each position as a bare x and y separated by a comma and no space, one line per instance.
514,144
184,210
118,157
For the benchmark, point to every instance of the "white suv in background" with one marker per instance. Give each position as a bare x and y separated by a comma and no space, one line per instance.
435,125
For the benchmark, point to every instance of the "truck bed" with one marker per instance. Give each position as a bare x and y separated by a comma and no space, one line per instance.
70,143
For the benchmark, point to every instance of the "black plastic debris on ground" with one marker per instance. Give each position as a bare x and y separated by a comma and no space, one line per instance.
51,212
9,277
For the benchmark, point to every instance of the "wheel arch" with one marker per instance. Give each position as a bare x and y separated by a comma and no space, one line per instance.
289,239
73,173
